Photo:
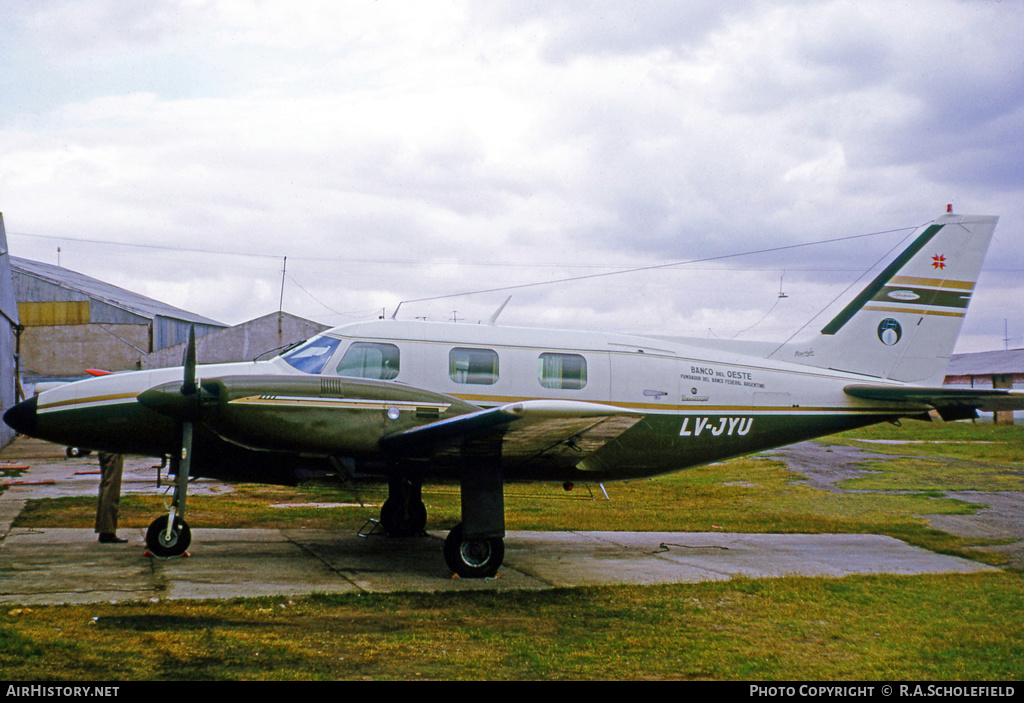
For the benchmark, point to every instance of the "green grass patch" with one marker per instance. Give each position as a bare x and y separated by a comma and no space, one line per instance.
957,440
937,474
857,628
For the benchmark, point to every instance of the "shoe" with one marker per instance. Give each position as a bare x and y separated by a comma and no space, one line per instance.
111,538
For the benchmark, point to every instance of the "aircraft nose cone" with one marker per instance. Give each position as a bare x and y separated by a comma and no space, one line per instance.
22,417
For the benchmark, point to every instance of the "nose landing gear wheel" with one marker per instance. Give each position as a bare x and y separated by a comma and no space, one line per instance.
473,558
163,545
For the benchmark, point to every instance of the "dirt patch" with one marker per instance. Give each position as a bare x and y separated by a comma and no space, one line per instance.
825,465
1002,517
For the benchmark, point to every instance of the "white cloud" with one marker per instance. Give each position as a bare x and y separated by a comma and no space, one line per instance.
402,150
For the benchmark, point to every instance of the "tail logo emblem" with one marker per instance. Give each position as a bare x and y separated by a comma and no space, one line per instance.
889,331
939,262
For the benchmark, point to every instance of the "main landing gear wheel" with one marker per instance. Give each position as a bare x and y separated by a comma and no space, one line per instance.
399,520
473,558
163,545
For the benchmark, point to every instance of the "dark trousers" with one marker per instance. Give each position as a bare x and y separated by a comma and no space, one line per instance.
111,466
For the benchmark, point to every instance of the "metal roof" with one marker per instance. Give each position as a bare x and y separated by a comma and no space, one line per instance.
106,292
1010,361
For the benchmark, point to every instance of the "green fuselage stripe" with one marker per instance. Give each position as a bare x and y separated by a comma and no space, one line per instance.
876,285
924,296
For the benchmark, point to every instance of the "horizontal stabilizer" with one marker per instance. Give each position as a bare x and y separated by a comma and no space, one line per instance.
985,400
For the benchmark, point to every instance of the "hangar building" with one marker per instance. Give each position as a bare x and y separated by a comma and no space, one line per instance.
993,369
73,322
9,327
56,323
255,339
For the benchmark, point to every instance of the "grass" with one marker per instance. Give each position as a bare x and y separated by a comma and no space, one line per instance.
955,440
937,474
856,628
947,627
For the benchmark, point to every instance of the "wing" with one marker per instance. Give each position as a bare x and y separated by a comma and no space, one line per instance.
375,419
945,400
556,434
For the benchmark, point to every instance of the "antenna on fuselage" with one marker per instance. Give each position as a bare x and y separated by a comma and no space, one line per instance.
493,318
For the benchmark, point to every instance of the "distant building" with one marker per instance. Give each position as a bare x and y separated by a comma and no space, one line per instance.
994,369
73,322
259,338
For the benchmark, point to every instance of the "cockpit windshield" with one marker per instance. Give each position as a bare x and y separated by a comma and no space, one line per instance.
311,356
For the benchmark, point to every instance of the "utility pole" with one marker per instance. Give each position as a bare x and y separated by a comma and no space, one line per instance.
280,303
284,270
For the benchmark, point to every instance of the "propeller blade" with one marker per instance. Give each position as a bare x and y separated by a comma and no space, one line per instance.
189,386
184,468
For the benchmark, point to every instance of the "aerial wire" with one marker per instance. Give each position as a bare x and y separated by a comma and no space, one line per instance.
652,267
844,292
520,286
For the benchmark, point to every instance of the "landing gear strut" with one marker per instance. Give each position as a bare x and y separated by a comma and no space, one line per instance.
475,547
169,535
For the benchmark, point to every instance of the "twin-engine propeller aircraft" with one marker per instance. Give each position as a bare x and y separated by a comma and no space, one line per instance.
486,405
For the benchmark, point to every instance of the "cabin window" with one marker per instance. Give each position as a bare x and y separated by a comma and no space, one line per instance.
370,360
568,371
477,366
311,356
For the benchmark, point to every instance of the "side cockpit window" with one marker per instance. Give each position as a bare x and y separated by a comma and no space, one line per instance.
370,360
311,356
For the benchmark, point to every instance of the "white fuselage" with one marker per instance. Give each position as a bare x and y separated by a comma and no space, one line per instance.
699,403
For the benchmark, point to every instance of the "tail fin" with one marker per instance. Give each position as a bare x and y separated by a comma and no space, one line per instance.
904,325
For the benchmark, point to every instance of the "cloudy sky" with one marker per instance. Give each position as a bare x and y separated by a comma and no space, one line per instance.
402,151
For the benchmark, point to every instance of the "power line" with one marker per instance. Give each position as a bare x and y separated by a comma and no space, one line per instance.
457,262
655,267
162,247
331,259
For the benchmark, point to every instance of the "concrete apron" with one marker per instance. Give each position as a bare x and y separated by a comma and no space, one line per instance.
40,566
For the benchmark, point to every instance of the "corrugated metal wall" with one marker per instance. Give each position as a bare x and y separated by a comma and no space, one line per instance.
168,331
71,312
8,326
